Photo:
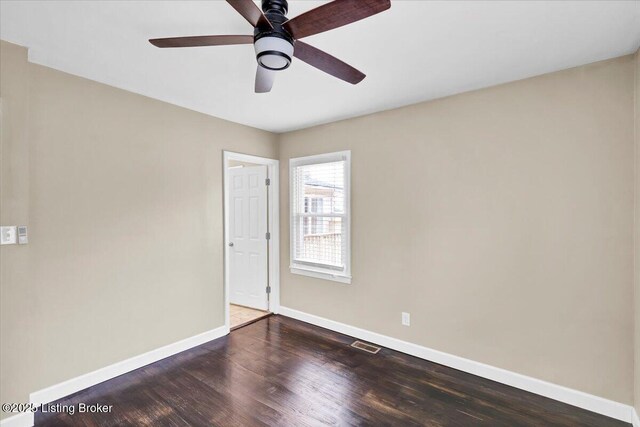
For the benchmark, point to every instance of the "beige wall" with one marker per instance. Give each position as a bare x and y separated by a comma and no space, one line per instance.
16,296
123,198
501,219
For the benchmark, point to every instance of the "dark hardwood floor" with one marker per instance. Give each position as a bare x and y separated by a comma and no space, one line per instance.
279,371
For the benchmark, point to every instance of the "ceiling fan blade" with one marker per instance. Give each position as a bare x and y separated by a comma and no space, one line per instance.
327,63
333,15
193,41
250,12
264,80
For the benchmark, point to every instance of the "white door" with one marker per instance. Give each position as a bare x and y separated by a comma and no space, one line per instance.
248,237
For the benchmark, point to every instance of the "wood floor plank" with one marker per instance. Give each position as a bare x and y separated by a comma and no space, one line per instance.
282,372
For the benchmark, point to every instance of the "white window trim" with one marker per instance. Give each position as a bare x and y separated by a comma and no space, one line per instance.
305,270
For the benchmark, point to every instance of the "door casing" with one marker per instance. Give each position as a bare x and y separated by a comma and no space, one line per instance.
273,223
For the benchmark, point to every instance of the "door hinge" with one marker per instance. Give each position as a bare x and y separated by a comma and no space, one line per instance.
268,289
268,236
267,181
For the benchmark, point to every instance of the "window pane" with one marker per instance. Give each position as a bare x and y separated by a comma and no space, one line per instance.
320,241
320,188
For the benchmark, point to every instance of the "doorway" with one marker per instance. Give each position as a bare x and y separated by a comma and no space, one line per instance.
251,230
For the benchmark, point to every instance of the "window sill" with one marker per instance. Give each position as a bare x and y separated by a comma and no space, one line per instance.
321,275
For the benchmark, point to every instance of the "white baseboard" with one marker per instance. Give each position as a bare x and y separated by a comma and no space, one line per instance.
577,398
76,384
635,419
24,419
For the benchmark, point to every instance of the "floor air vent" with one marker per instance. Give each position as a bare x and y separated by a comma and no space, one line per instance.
365,347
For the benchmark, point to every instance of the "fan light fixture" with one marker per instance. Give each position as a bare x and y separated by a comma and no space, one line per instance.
273,53
274,36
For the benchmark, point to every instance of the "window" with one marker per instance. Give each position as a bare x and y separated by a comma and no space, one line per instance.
320,216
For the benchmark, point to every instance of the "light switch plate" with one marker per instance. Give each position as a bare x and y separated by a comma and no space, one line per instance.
22,235
406,319
8,235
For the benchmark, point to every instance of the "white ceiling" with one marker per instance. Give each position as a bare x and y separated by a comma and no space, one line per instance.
416,51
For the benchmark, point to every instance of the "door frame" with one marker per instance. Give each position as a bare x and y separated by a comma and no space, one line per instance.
273,223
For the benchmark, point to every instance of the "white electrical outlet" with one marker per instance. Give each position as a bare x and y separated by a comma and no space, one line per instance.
8,235
406,319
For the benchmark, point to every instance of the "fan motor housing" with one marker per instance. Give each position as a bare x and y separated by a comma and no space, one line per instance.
278,6
274,46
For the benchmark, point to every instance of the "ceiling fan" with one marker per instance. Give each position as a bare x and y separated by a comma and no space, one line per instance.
276,38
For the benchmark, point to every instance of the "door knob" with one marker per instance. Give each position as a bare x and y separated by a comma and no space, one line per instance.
231,244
